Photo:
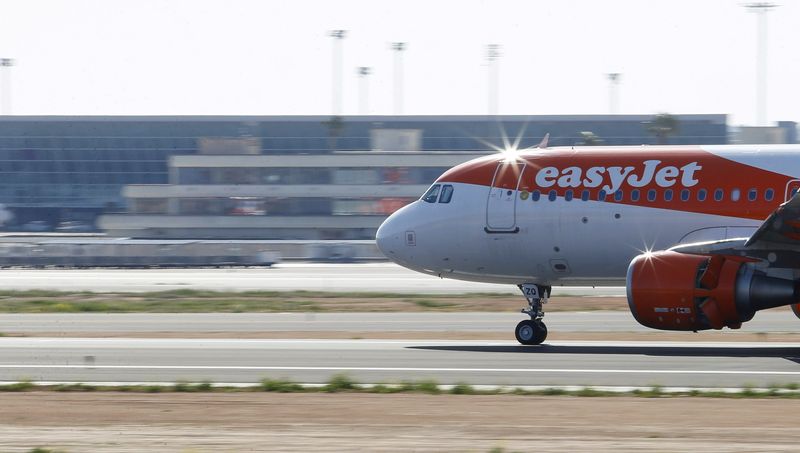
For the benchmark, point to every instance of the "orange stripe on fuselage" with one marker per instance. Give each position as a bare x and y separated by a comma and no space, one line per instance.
635,168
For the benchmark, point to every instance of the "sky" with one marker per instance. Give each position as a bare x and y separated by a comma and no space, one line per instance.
236,57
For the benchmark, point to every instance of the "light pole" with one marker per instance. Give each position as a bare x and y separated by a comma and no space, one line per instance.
493,70
5,90
336,87
761,9
613,92
399,48
363,88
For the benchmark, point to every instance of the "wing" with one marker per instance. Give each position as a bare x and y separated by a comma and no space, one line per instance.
776,242
781,229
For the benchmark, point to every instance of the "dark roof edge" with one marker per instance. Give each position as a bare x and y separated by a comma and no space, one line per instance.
720,118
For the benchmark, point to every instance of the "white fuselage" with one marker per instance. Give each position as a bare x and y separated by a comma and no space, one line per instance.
505,235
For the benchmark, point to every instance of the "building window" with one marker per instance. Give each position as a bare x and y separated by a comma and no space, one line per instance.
148,205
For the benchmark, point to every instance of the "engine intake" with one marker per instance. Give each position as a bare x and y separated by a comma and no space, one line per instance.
678,291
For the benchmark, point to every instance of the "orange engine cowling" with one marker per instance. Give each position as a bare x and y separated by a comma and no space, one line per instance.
678,291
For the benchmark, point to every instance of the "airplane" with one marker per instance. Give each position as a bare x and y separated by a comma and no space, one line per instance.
701,236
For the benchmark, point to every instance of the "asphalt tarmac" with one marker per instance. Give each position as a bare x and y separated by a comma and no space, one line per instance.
373,361
66,359
771,321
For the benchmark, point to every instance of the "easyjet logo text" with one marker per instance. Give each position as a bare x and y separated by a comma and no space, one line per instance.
612,178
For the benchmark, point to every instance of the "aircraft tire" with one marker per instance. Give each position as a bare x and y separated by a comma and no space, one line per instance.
527,332
541,332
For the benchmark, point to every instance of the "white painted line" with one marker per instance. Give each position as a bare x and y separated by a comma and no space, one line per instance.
410,369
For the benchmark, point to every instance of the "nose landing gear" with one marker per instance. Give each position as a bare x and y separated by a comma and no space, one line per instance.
533,331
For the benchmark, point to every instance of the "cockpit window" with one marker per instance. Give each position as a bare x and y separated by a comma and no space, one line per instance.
447,193
431,195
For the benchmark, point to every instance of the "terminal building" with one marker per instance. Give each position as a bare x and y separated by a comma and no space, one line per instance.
265,177
344,195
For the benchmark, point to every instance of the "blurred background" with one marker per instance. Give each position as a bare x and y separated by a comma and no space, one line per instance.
297,127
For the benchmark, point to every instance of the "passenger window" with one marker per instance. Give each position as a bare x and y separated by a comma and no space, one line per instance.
735,194
685,194
447,193
668,195
651,195
769,194
601,196
585,195
701,195
431,195
635,195
718,195
568,195
535,195
618,195
752,194
552,195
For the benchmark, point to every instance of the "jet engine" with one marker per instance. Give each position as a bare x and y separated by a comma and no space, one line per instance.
669,290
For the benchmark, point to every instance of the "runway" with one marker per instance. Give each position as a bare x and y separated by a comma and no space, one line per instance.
373,361
770,321
357,277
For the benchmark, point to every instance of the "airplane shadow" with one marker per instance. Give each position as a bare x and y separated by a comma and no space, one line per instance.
788,353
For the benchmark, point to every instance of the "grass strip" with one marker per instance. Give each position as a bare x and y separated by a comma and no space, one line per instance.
201,301
343,383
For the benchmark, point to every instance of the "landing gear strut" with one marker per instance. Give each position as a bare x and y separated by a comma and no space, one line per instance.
533,331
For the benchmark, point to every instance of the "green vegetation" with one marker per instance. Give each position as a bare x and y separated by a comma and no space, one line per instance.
340,382
427,386
282,386
344,383
22,386
183,386
662,126
462,389
75,388
654,392
425,303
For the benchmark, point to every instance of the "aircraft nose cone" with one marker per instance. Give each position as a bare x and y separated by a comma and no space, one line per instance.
389,237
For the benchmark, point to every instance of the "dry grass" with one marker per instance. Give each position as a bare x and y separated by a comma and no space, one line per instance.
195,301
